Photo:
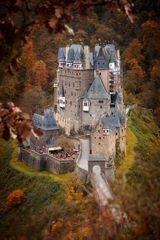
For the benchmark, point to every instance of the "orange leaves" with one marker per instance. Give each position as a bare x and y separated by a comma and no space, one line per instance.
155,71
150,29
53,22
15,124
74,189
37,72
40,73
133,51
59,12
56,228
15,197
28,55
136,68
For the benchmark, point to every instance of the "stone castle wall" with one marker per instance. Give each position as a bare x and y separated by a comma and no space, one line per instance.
91,164
103,144
75,83
96,111
122,140
44,162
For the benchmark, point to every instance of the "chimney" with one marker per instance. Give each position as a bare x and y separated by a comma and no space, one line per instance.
87,57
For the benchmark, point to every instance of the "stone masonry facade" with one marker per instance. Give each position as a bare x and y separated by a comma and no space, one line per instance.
89,96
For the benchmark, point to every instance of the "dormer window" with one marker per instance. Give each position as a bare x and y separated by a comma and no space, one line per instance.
62,102
85,105
112,66
106,131
68,65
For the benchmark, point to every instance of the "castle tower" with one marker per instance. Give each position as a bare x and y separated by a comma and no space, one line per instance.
74,78
87,84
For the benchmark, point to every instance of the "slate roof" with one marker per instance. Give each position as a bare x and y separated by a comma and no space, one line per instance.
107,53
45,122
70,57
115,120
61,55
107,123
97,90
111,51
77,58
75,53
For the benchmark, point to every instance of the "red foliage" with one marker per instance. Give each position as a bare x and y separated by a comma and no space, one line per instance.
15,197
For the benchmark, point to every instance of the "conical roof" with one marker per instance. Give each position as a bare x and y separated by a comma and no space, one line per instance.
97,90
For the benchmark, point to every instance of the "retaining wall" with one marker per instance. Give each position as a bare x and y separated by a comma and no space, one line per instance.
44,162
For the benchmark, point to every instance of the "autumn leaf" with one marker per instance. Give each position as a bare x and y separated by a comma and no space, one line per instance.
53,22
58,12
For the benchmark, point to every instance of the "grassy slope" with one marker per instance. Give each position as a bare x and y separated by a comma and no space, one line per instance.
42,193
128,161
142,133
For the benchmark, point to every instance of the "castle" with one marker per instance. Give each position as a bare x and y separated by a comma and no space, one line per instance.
89,96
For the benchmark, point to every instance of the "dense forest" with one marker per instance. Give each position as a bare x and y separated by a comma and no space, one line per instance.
36,59
27,75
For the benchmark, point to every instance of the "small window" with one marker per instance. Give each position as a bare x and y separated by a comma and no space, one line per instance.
71,103
100,106
100,101
99,137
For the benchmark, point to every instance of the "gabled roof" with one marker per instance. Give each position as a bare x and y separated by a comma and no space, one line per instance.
97,90
77,58
116,118
70,56
61,54
111,50
107,123
45,122
75,53
108,52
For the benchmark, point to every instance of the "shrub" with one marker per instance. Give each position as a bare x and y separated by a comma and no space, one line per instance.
15,197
